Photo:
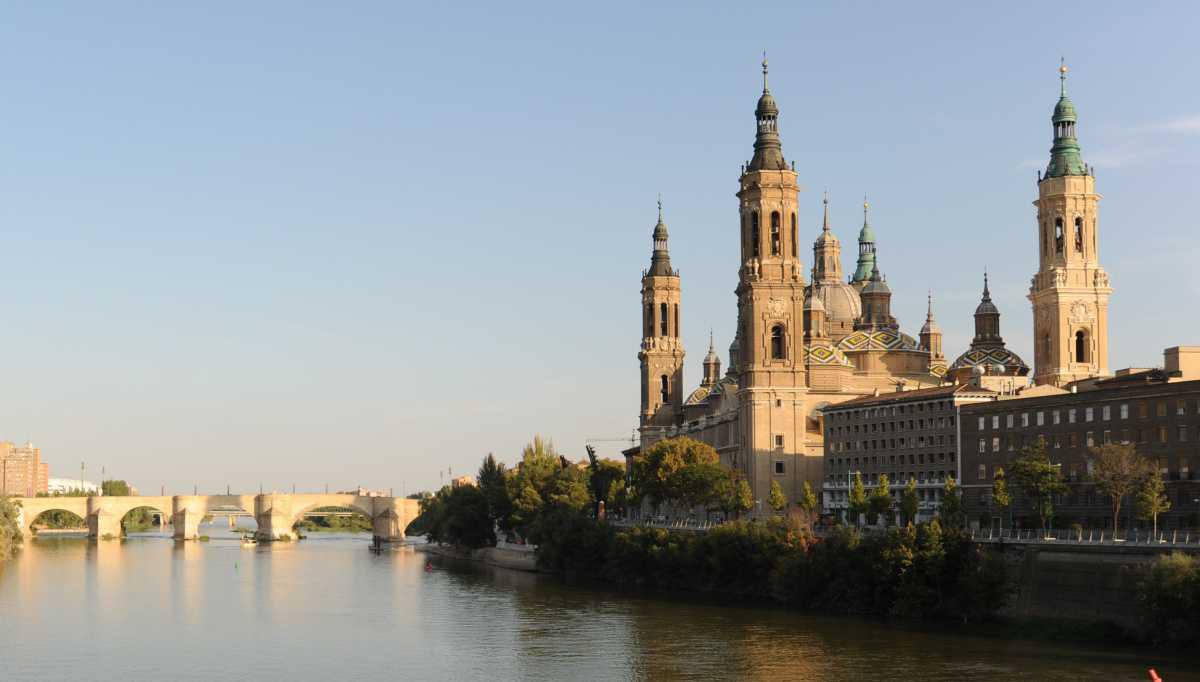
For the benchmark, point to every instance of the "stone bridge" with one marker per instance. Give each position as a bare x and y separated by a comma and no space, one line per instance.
275,513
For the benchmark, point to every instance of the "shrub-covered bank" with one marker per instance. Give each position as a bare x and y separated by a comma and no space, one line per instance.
10,532
914,572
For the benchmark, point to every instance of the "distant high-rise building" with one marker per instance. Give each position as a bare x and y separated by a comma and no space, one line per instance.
22,472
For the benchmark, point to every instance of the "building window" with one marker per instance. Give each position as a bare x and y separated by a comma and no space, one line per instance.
1089,414
1024,419
995,421
755,235
1091,439
779,468
777,347
995,443
793,235
1058,416
1181,407
1106,412
1079,234
1183,468
649,326
1008,421
1143,410
1124,410
775,233
983,445
1107,437
779,441
1181,434
662,319
1161,409
1041,418
1058,235
1058,440
665,385
1073,439
1162,434
982,472
1071,416
982,423
1081,346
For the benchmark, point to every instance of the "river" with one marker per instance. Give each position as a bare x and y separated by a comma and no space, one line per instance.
327,608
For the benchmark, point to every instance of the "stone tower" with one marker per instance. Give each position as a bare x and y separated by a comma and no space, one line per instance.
770,291
661,354
1070,291
712,366
931,337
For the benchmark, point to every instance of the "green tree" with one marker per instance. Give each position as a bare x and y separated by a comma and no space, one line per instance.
10,531
951,512
1117,472
602,475
1000,495
743,497
909,502
493,485
858,498
776,498
1152,499
808,504
656,473
1039,480
880,502
114,488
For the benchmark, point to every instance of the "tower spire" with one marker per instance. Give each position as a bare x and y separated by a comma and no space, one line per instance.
660,259
1065,157
866,248
1062,76
825,223
768,150
764,65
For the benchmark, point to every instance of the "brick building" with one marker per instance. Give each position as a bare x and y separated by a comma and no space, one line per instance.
1157,410
22,471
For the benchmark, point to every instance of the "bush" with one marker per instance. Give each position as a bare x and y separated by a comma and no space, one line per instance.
1169,596
205,538
10,532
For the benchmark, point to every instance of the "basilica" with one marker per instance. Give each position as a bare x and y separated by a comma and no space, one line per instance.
806,340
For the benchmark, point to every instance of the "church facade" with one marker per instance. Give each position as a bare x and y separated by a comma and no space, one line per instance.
804,343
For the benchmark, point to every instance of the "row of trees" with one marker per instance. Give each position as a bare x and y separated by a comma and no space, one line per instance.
686,474
879,503
1118,472
517,501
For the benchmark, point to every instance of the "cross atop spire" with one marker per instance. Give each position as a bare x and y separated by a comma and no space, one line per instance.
987,296
660,207
1062,75
764,65
825,200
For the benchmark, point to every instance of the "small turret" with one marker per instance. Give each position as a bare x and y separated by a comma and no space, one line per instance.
1065,157
931,335
768,150
866,251
712,365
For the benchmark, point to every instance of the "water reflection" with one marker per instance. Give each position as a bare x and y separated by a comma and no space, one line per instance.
328,608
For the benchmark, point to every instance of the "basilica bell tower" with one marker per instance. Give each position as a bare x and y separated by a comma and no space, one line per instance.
770,334
1070,291
661,353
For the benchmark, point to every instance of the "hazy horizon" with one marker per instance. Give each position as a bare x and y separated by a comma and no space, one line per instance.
366,244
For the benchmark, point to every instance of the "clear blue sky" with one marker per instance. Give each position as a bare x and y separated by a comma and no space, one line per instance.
368,242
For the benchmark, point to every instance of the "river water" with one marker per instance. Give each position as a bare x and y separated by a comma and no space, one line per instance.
327,608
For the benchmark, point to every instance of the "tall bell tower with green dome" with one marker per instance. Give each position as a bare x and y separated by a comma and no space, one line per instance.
1070,290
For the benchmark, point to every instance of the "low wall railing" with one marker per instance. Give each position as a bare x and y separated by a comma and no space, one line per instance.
1165,539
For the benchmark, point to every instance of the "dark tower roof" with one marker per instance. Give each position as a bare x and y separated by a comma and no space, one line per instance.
987,320
660,260
768,150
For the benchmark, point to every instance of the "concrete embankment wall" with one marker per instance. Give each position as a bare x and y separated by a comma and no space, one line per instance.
1076,582
517,560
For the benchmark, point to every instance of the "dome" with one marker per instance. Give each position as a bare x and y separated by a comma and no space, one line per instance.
990,359
766,105
813,300
660,231
840,300
986,307
1064,110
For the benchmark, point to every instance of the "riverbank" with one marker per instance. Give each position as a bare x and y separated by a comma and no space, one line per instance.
517,560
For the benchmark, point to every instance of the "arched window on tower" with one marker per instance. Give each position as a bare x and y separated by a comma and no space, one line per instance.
676,319
755,237
777,343
1081,346
1058,235
1079,234
793,235
648,325
665,389
775,233
662,319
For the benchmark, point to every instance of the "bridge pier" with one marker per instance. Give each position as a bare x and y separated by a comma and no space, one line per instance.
187,513
273,514
103,522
